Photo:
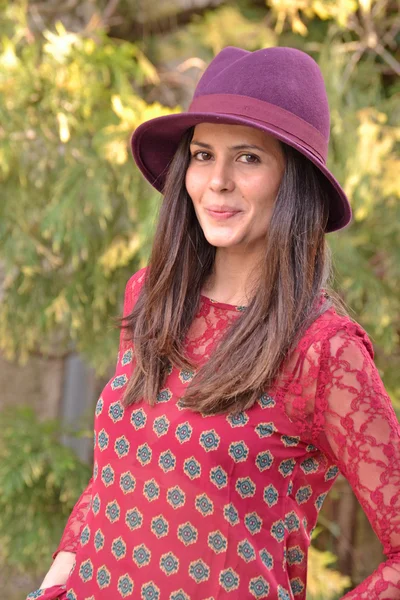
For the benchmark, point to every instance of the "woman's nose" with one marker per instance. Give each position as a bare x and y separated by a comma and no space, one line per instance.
221,177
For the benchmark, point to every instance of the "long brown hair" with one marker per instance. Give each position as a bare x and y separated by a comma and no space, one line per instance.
295,271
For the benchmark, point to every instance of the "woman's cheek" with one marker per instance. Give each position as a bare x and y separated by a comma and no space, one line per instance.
190,180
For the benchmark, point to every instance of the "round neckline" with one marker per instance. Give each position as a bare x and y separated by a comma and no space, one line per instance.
224,305
235,307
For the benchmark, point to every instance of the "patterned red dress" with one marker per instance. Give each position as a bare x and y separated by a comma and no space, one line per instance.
183,506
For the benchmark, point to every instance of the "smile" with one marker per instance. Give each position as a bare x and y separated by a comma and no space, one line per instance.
222,213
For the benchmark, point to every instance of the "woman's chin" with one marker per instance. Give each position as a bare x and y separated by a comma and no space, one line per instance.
219,242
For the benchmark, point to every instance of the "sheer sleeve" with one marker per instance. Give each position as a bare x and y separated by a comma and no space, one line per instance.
72,531
132,291
356,426
70,538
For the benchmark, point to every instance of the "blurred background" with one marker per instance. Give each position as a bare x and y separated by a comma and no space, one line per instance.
76,220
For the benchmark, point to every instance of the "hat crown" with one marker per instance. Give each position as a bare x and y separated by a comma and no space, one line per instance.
285,77
280,91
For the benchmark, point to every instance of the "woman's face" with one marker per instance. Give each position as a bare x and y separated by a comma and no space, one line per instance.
233,179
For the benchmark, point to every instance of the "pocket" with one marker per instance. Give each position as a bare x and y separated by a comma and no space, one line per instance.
55,592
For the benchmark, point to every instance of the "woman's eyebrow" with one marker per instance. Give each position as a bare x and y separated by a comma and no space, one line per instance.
236,147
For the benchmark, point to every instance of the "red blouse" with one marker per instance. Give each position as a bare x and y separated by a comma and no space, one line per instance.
185,506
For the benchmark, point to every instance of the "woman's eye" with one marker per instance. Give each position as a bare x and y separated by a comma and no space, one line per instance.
246,158
250,158
201,155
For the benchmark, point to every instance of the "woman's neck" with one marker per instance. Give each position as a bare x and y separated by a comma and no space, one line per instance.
233,278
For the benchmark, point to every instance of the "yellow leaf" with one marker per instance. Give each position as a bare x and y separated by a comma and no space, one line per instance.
125,114
60,46
30,271
147,68
58,308
8,58
116,152
361,213
119,254
365,5
89,46
60,28
63,127
298,26
385,320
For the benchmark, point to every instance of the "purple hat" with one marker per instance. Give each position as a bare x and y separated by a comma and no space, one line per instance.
278,90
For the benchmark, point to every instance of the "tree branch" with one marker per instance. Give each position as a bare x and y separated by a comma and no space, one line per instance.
388,58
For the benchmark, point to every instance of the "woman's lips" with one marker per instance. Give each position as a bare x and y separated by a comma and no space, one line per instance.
223,213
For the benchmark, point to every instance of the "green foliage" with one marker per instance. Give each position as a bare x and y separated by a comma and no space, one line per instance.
40,481
75,216
323,582
227,26
291,12
365,133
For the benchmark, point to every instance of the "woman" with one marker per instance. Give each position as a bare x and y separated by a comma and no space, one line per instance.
240,390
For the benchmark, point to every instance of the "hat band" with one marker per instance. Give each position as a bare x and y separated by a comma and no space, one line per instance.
266,113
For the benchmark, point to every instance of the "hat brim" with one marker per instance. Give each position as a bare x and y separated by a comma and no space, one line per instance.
155,142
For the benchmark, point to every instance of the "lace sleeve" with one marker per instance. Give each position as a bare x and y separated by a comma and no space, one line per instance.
72,531
355,424
132,291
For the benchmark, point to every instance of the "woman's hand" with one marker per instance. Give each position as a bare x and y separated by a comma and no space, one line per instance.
59,570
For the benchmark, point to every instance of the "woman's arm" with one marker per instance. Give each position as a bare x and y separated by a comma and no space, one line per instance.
355,424
59,570
70,538
64,556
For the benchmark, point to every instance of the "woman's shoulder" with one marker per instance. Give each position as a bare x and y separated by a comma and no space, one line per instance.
333,329
136,280
132,289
